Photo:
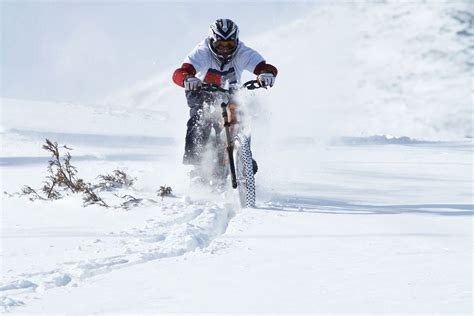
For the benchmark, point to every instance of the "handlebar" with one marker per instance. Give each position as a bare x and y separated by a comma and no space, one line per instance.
249,85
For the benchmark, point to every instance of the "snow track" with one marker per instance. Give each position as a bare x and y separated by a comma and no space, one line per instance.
181,227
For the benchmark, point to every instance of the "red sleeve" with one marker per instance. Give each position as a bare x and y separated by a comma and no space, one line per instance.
264,67
180,73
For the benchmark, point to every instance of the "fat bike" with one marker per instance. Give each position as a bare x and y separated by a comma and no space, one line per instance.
231,154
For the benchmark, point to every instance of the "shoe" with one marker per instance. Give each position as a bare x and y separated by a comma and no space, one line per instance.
254,166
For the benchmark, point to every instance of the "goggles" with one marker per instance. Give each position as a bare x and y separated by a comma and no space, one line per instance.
225,46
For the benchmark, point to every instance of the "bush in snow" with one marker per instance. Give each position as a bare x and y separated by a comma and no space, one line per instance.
130,202
27,190
62,175
164,191
62,179
118,179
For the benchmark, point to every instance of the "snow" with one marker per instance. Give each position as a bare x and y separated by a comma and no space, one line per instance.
369,229
365,68
364,188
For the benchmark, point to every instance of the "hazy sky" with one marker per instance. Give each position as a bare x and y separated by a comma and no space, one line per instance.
78,51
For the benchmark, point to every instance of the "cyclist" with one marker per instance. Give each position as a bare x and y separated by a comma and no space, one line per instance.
218,59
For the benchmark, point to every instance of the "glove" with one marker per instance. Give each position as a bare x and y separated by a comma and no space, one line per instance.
266,79
192,83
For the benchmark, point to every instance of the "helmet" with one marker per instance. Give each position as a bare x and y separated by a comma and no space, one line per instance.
223,40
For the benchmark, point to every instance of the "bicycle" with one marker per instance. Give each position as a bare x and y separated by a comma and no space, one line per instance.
238,162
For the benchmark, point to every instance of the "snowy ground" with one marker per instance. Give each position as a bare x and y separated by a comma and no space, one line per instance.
366,228
354,224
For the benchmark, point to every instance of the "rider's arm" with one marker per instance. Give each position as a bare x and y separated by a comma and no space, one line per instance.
263,67
181,73
254,62
194,63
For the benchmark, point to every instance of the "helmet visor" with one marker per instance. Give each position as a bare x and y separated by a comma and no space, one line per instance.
225,47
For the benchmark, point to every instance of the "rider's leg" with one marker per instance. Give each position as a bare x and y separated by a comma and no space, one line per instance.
198,129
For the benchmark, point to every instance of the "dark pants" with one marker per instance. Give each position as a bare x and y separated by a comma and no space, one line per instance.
199,126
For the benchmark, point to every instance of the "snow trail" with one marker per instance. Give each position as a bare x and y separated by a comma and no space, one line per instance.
182,227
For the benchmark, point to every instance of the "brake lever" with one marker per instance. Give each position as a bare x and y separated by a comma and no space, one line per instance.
252,85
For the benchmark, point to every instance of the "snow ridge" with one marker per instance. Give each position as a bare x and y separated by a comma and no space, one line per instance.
381,140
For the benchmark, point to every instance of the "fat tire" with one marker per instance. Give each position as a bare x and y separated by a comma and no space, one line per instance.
244,170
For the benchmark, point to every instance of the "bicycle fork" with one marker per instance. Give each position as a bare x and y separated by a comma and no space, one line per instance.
230,144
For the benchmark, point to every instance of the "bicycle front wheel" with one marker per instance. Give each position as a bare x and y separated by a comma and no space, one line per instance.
244,171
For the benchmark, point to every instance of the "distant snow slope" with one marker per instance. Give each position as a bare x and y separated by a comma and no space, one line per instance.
398,68
360,69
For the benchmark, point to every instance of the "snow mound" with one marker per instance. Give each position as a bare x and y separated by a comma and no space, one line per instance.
6,303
